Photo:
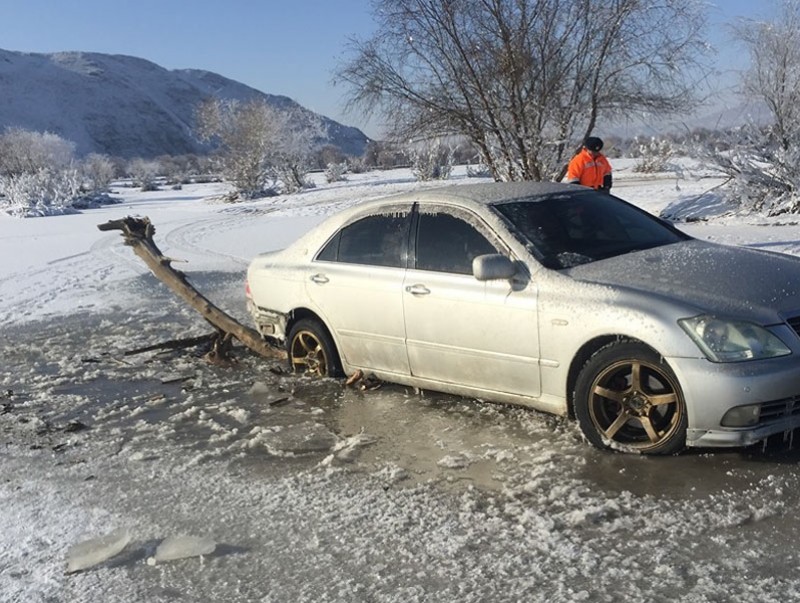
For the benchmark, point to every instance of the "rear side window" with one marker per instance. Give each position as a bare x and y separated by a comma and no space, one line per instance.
448,244
374,241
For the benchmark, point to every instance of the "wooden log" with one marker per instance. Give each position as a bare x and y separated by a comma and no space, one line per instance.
138,233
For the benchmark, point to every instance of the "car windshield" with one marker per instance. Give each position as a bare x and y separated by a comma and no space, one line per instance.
568,229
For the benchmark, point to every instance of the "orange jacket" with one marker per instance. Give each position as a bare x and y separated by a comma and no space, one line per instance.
587,170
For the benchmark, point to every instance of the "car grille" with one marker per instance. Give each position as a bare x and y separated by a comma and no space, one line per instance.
779,409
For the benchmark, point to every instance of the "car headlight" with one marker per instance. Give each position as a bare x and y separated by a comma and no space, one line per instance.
732,340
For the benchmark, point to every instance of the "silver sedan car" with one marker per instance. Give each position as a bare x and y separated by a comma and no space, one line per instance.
550,296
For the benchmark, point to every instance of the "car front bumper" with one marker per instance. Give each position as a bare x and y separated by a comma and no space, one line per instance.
712,389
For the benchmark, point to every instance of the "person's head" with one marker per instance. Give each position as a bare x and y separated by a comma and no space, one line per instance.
593,144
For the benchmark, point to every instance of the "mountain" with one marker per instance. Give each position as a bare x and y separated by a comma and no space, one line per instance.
126,106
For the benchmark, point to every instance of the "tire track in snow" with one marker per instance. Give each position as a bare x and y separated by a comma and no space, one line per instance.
87,279
194,237
76,278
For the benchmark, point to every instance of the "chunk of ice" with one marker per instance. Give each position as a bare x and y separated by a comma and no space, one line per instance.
180,547
92,552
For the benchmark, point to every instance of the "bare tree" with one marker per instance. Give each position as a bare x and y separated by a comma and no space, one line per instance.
259,144
763,161
774,73
523,80
244,133
292,148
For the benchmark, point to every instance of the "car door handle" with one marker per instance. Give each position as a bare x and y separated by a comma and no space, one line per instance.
320,279
418,290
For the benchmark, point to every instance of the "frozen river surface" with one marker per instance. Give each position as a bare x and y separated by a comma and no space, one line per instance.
313,491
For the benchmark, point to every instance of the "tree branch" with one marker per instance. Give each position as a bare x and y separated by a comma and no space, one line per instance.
138,233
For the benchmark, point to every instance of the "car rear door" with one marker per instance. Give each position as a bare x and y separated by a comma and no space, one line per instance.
356,284
461,330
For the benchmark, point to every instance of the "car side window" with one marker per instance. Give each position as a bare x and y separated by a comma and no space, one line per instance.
374,241
448,244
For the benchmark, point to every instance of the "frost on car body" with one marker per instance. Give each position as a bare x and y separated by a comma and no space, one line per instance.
594,319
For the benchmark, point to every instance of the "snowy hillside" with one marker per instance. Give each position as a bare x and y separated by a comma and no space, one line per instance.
124,106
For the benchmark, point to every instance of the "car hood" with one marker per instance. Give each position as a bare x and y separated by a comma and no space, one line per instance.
719,279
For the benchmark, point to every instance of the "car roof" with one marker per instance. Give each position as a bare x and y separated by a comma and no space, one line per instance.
487,193
464,195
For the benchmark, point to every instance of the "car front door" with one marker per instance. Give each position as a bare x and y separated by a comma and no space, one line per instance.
356,284
460,330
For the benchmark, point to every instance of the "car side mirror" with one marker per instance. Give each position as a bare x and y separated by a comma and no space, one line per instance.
493,267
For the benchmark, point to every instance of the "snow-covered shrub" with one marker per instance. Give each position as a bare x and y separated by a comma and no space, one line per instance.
335,172
763,175
357,165
768,185
28,152
431,161
479,170
98,171
144,173
37,177
94,200
294,177
43,193
653,155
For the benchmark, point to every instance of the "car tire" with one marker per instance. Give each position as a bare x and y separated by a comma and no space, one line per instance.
312,351
627,398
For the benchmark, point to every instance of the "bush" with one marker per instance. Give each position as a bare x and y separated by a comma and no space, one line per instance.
335,172
144,174
43,193
653,154
431,161
94,200
357,165
99,171
293,178
27,152
480,170
763,176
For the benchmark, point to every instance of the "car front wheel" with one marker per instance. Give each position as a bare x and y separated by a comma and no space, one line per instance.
312,351
627,398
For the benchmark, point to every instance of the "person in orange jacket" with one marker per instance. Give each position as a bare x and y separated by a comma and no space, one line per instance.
590,167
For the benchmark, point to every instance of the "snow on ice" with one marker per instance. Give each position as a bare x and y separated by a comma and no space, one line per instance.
323,493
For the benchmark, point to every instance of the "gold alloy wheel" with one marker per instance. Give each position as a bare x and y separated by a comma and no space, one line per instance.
307,354
635,404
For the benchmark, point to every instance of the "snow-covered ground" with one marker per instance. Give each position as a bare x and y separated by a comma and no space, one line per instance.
315,492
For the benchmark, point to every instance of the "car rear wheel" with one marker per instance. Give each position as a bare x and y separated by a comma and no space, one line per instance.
627,398
312,351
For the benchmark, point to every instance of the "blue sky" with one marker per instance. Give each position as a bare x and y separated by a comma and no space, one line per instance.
288,47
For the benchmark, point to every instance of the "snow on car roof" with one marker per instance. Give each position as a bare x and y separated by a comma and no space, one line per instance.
489,192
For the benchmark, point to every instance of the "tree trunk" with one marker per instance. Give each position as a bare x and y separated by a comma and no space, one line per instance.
138,233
